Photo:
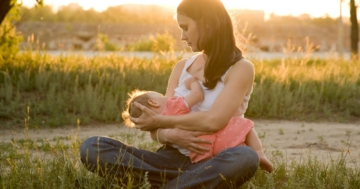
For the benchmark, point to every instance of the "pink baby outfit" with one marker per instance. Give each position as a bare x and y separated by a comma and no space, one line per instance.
233,134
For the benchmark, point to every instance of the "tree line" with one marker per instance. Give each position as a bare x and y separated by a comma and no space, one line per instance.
149,14
145,14
116,14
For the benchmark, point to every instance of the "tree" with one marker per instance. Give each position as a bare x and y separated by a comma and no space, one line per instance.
5,7
9,40
354,37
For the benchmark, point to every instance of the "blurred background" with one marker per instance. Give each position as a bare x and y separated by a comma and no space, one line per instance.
265,26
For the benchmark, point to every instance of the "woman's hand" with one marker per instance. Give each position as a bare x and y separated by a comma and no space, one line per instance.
147,120
187,139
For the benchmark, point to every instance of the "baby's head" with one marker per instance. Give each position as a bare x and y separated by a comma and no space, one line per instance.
150,99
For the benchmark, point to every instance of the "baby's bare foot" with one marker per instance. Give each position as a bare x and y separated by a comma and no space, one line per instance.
265,163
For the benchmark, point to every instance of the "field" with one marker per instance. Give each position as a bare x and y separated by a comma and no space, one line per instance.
62,90
305,155
306,112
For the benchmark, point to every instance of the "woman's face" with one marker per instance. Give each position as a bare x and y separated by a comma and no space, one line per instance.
189,31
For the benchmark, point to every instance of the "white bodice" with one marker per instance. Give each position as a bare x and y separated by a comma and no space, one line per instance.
209,95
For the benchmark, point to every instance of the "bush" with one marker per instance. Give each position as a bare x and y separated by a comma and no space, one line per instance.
161,42
9,40
105,44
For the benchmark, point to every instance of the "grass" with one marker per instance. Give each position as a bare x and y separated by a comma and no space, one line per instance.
281,132
38,90
311,173
58,91
54,163
300,89
62,90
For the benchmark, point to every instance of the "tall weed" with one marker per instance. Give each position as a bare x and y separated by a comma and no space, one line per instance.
61,89
55,163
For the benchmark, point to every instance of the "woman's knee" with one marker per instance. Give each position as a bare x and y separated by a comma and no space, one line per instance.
88,143
88,147
247,154
241,158
94,146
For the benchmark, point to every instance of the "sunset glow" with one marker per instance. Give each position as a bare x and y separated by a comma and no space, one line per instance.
316,8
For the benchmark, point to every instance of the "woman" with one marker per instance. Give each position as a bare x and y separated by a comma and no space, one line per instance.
226,75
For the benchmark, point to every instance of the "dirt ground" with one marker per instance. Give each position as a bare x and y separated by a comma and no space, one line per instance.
282,140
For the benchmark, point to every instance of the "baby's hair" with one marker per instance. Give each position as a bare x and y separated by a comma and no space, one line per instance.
132,111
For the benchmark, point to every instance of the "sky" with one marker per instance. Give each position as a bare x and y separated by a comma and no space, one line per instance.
316,8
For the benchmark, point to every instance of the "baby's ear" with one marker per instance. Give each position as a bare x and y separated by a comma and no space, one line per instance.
153,103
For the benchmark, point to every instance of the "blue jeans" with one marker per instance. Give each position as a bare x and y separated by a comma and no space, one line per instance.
167,167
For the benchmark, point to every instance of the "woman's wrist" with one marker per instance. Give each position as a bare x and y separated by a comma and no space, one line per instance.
157,121
165,122
163,135
157,135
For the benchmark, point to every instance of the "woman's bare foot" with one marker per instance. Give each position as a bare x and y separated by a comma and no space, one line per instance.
265,163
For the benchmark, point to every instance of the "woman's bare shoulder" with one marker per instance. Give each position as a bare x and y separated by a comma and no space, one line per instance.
242,69
181,63
179,66
244,64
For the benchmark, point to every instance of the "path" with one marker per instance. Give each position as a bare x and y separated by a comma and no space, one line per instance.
287,140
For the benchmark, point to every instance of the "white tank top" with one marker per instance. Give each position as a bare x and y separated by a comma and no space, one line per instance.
209,95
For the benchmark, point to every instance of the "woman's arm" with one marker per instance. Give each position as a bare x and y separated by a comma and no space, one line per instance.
174,78
183,138
237,83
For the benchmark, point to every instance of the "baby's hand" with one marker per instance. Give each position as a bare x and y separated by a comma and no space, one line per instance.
189,81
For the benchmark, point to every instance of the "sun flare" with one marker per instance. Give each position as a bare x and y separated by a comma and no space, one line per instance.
279,7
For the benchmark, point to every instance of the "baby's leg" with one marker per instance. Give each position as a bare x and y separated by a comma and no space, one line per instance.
253,141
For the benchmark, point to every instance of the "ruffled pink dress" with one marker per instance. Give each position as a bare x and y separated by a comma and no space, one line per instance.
233,134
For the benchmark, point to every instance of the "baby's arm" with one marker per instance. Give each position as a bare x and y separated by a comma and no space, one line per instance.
196,92
195,96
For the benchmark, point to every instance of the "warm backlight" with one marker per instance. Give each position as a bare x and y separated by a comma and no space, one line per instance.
315,8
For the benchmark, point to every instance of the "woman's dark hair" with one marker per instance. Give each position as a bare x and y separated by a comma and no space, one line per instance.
216,37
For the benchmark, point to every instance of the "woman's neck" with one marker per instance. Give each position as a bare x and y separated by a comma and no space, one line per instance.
205,57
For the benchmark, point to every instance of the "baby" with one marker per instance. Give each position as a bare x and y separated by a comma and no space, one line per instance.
238,131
